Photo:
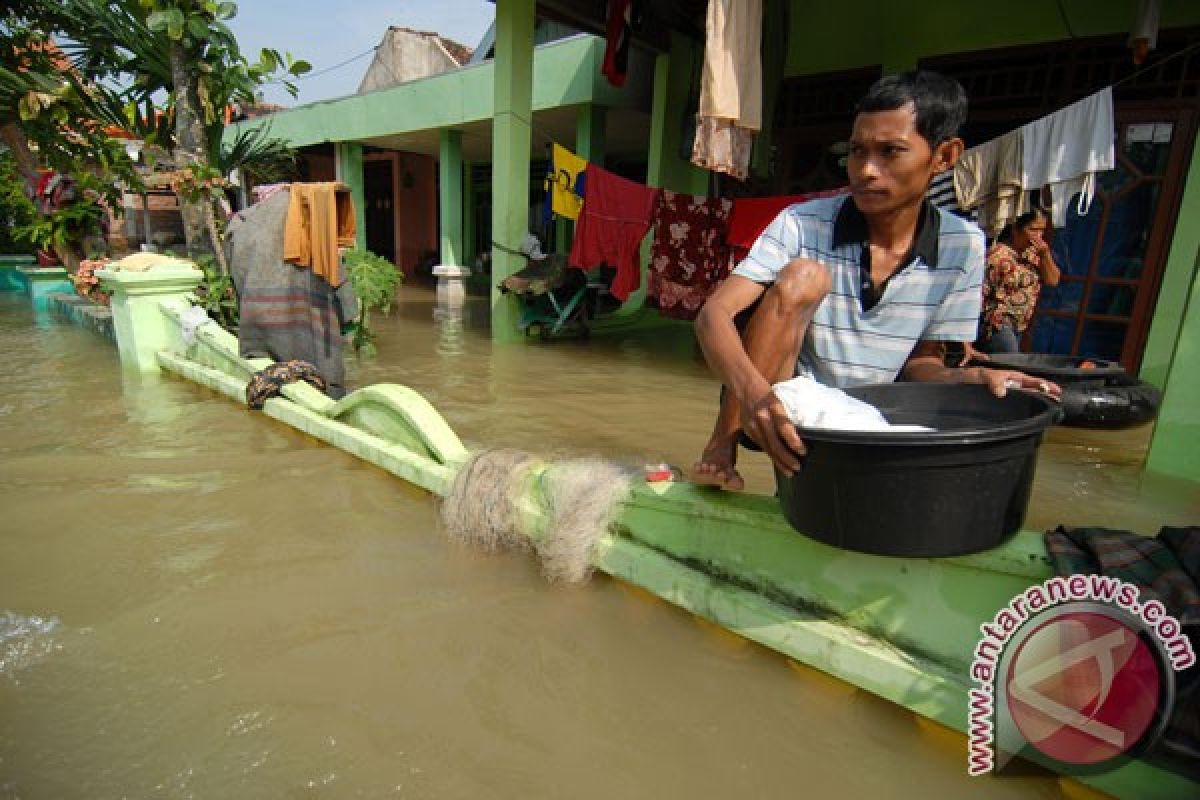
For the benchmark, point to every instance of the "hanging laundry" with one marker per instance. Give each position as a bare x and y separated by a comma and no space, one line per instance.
731,90
615,217
988,178
751,216
1066,149
286,312
689,257
564,183
320,219
624,17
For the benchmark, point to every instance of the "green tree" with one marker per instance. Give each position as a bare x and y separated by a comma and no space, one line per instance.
185,48
150,48
50,116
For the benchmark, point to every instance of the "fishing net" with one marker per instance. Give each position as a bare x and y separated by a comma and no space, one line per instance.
481,506
582,496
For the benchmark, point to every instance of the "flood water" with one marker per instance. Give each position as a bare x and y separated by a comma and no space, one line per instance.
196,601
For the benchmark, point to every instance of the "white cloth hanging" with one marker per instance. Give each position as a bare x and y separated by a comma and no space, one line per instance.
1066,149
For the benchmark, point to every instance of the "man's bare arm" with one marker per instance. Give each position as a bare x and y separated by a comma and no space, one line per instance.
927,364
720,340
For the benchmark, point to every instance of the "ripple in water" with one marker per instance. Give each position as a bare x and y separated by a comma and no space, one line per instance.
25,640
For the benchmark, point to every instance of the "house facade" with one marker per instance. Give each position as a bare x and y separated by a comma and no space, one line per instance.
1130,263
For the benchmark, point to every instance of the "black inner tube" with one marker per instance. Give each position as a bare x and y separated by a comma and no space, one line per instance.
1111,405
1100,395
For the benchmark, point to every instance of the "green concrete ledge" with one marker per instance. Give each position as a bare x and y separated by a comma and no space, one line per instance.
389,425
41,282
899,628
84,313
10,278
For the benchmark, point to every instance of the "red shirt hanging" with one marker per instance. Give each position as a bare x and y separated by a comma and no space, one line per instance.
614,220
623,17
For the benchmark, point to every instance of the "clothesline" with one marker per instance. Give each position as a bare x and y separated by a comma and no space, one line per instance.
1143,70
1062,151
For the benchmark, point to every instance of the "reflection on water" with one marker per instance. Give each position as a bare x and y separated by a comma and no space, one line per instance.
204,603
24,640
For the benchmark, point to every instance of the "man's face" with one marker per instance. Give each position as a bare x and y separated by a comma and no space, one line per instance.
890,164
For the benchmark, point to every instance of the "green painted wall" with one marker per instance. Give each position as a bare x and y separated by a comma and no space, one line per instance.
854,33
349,161
672,84
1175,449
1177,281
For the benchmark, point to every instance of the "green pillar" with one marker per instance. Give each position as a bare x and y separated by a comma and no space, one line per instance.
589,133
511,140
141,327
672,89
450,173
348,162
468,215
564,230
656,157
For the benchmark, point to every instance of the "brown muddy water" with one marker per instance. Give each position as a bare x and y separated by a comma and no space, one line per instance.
196,601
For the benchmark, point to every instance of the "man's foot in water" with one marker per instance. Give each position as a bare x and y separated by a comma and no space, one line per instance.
716,465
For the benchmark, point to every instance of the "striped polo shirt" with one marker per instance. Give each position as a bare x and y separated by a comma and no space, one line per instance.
935,295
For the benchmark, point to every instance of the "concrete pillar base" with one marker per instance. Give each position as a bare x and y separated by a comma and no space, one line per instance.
451,285
141,327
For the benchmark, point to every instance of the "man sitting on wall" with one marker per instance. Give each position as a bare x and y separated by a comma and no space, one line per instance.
855,289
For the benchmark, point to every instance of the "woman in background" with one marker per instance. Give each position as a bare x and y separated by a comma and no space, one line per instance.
1019,263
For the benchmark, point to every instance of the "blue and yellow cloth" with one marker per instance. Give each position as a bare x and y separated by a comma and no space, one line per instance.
564,183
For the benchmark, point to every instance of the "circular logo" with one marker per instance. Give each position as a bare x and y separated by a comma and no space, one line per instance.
1084,687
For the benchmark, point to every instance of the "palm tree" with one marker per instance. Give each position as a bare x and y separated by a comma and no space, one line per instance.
182,47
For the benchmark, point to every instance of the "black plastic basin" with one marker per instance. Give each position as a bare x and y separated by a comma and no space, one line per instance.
960,489
1060,369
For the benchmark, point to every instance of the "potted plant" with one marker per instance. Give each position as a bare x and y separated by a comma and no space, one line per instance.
215,293
87,284
56,235
374,280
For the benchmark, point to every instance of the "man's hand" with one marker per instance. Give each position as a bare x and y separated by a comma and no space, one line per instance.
766,421
999,381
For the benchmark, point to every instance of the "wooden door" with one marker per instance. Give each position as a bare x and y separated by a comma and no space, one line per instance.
379,214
